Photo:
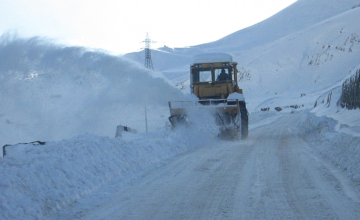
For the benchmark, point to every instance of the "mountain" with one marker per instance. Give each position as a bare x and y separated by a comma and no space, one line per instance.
309,62
296,17
302,52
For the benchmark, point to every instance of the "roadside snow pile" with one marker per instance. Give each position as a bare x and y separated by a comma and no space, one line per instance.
38,181
343,150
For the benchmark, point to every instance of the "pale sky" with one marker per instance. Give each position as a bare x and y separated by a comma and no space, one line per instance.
120,26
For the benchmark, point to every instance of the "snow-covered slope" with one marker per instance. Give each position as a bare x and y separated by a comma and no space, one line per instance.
304,65
293,57
296,17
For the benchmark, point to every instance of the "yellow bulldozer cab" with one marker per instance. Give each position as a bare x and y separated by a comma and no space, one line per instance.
213,79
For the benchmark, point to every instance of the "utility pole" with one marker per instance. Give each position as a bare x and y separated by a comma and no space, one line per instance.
148,61
146,120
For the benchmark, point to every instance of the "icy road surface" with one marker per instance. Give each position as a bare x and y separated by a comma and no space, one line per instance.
274,174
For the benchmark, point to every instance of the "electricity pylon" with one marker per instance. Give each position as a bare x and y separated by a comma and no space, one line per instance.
148,61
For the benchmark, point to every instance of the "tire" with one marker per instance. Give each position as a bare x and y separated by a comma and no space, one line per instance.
244,120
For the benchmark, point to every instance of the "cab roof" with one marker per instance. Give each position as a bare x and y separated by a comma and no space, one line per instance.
211,58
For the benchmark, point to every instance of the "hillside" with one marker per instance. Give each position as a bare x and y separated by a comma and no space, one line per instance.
294,56
302,66
298,16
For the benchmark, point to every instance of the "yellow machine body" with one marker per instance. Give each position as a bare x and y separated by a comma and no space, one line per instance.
213,80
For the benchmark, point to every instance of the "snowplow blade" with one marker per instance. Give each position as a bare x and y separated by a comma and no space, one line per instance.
227,113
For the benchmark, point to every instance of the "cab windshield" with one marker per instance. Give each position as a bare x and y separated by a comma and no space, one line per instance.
210,75
205,75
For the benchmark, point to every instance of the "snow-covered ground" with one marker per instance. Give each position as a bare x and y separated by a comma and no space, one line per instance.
299,163
294,165
38,181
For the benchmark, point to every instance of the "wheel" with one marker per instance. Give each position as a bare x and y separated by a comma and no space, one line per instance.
244,120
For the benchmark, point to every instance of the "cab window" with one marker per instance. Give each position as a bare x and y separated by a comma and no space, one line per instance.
222,74
203,75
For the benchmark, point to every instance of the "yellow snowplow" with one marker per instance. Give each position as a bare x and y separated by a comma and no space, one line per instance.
213,80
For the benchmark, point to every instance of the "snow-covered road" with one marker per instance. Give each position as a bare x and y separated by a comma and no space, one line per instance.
275,174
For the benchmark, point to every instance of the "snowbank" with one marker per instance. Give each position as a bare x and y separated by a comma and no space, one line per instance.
342,150
38,181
